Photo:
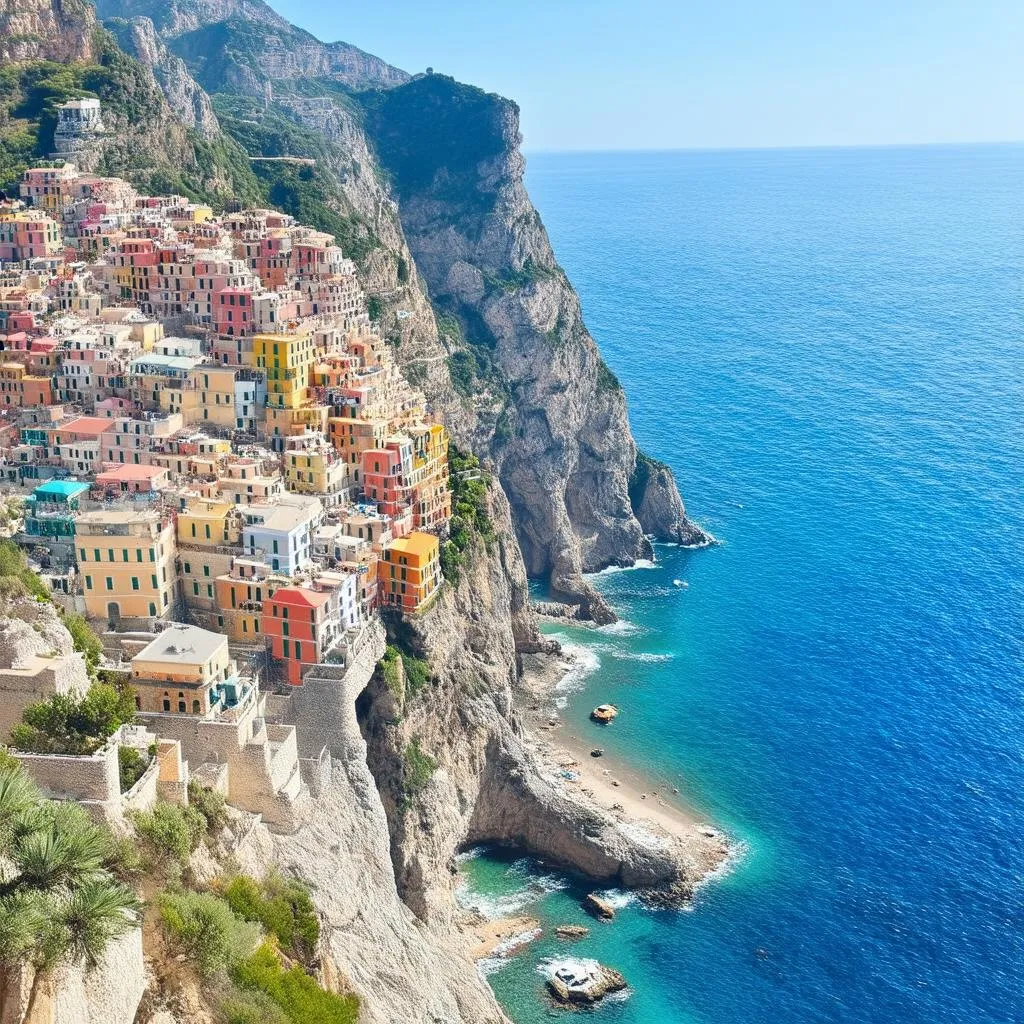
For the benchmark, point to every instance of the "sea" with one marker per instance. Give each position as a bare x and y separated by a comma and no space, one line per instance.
827,346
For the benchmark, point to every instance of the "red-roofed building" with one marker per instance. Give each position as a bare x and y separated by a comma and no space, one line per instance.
295,621
130,479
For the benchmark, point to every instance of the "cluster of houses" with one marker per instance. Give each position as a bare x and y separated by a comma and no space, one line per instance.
218,455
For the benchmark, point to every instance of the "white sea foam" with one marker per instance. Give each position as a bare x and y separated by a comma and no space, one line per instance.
644,656
622,627
737,851
640,563
618,899
585,663
471,854
502,953
579,964
619,997
493,907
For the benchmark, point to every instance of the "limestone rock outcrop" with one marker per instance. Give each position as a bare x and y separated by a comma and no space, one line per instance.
184,95
544,407
45,30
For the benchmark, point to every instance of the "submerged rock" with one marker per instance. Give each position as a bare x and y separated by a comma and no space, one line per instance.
582,981
572,931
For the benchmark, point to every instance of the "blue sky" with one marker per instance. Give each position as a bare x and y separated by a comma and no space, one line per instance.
653,74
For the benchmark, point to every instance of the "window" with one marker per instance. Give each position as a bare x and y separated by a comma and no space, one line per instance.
195,707
285,647
135,583
152,608
124,554
206,570
82,552
167,702
188,568
110,583
298,651
284,629
156,586
138,554
195,588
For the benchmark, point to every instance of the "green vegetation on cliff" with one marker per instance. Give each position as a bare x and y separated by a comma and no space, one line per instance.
60,902
434,124
144,143
66,724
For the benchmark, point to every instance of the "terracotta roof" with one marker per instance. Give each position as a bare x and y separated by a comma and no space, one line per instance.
300,596
95,425
129,471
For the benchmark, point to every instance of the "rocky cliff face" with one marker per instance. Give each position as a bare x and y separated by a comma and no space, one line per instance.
538,398
57,30
190,102
242,44
484,782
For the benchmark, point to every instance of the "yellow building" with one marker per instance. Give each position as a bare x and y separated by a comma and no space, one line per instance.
185,670
288,360
313,466
410,572
126,559
209,537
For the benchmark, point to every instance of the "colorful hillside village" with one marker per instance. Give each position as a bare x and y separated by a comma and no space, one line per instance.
220,461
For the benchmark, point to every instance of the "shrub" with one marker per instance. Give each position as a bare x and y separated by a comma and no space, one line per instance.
283,907
388,666
469,512
170,833
417,674
13,563
299,995
131,766
417,768
246,1006
203,927
65,724
85,641
210,804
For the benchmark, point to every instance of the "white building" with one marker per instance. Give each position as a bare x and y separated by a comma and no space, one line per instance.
283,531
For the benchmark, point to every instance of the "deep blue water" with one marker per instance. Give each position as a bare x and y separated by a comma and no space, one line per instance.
828,348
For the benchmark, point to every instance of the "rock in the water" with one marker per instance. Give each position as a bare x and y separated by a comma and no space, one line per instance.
600,908
582,981
572,931
597,752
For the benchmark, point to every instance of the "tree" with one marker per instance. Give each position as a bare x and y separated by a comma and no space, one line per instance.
59,902
66,724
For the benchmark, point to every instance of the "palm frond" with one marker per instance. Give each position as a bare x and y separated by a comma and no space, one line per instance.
95,913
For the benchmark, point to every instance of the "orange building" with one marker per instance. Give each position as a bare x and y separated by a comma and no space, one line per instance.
410,572
294,624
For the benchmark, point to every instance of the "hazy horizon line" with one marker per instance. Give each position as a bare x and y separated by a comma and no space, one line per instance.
546,151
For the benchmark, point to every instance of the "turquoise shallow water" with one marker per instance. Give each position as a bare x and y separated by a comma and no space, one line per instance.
827,348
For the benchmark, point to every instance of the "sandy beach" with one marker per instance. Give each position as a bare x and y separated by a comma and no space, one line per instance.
610,783
500,937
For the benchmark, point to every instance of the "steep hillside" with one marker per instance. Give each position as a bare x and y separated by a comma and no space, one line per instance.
554,420
43,30
239,45
145,140
427,180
